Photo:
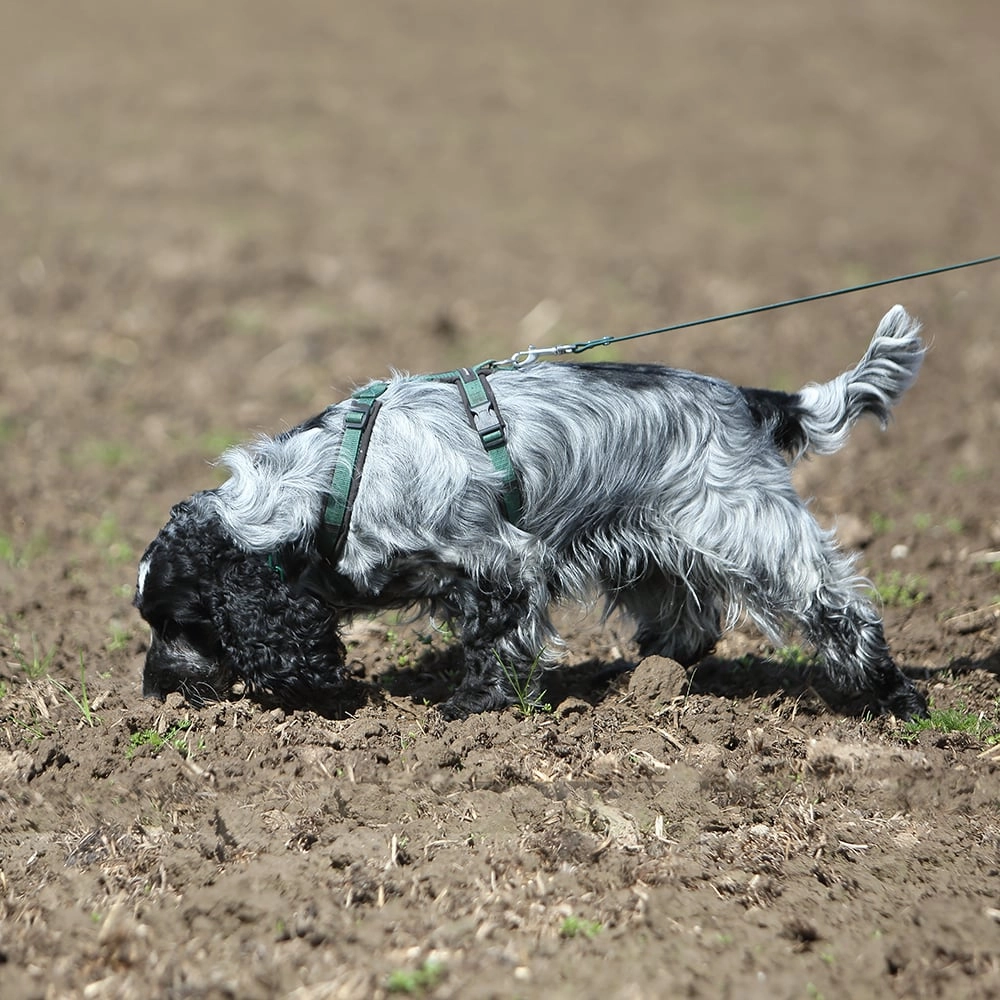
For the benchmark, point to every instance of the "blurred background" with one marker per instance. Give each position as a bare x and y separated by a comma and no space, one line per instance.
217,219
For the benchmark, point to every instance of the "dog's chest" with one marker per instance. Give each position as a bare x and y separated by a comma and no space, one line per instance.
404,581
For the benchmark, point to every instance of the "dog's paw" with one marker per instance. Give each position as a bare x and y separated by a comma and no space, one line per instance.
453,710
471,700
906,703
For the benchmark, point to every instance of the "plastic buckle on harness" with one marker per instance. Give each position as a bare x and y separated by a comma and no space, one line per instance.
484,414
482,411
359,414
488,425
492,437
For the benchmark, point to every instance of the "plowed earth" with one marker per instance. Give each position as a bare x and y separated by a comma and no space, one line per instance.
218,218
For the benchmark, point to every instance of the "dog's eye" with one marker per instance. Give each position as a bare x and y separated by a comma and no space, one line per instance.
169,629
196,634
199,634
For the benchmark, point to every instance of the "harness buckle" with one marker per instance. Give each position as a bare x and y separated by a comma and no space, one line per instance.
488,425
493,437
359,414
482,409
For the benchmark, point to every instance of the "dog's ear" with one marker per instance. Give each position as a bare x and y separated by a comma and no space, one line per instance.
281,640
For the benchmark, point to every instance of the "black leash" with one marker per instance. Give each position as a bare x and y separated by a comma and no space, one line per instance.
521,358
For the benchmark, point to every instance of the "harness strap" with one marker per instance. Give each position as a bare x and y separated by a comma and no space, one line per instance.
484,416
358,423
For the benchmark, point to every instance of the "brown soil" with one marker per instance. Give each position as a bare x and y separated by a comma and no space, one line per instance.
217,218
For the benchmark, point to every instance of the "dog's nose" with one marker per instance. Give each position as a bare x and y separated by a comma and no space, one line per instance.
158,679
152,686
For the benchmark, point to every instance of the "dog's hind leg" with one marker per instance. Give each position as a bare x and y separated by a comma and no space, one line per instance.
809,582
855,656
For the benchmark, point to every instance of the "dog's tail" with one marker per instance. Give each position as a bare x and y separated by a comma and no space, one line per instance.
818,418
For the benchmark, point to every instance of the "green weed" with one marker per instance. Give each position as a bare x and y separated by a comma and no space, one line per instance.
110,454
217,441
118,640
898,591
31,730
414,981
35,665
19,558
954,720
83,702
574,926
793,656
882,524
175,736
444,630
108,537
407,739
527,702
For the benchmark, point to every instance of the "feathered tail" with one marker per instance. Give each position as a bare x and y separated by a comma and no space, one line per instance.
818,418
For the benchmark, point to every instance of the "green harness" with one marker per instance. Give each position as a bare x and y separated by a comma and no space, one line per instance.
484,416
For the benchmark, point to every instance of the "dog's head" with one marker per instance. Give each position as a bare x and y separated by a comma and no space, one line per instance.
221,615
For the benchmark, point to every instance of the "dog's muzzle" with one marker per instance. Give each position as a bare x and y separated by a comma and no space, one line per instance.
175,666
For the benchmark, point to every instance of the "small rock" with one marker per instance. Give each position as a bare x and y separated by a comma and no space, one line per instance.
572,706
706,755
657,679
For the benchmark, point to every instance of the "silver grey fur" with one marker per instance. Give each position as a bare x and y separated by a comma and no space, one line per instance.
666,491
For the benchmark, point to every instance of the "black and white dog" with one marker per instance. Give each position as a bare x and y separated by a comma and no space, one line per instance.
666,491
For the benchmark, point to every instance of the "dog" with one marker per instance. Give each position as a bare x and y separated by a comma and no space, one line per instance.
666,491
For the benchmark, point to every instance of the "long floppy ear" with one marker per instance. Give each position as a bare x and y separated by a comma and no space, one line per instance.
281,640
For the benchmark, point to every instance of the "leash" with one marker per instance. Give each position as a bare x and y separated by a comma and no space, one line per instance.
484,414
521,359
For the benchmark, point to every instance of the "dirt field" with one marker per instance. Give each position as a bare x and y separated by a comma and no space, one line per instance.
217,218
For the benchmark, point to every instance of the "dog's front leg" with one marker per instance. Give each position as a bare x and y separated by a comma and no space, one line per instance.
503,636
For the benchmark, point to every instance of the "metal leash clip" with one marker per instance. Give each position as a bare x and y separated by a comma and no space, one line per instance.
521,359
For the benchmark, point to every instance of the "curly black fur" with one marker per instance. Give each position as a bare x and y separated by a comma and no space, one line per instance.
219,615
